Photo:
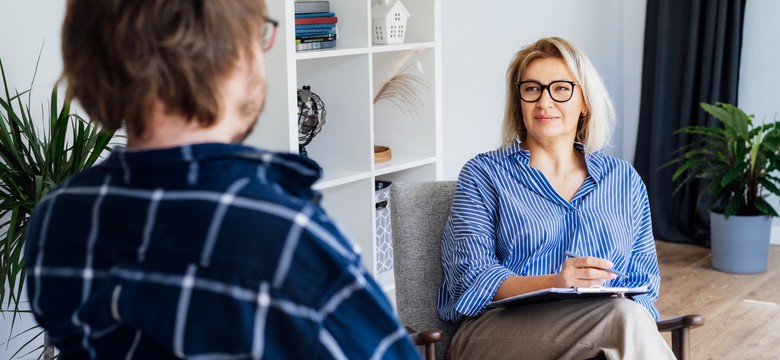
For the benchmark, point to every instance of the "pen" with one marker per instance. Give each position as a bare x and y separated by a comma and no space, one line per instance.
612,271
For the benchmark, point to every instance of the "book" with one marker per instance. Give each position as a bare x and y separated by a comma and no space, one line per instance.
553,294
316,30
303,33
315,45
311,6
314,26
314,38
314,15
316,20
317,33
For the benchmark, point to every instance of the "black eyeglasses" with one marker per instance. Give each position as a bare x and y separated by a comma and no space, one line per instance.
269,33
560,91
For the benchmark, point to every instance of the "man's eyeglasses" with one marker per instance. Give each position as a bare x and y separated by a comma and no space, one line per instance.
560,91
269,33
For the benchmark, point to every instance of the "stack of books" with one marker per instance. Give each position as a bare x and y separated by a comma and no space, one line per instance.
315,25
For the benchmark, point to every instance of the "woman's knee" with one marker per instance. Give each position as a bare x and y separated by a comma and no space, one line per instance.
629,311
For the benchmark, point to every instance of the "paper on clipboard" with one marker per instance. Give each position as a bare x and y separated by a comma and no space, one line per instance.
553,294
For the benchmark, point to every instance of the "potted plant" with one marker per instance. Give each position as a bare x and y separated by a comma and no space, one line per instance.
33,161
738,164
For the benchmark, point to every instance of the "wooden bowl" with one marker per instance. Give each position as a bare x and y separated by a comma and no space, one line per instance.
382,154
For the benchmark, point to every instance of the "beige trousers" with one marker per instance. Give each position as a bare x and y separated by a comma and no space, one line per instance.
601,328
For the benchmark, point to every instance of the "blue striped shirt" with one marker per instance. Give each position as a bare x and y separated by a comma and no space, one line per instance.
209,251
507,219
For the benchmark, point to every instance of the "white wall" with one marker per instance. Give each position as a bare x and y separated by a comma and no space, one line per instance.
759,73
27,28
633,50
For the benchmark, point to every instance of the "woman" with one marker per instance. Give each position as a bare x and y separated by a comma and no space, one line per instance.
547,191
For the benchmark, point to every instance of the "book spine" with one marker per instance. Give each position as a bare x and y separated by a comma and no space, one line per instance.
323,29
330,30
314,38
314,15
299,34
314,26
311,6
315,45
316,20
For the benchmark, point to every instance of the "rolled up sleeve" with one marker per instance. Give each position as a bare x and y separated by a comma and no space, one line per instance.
643,263
472,271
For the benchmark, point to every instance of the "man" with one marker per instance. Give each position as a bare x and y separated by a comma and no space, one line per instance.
184,243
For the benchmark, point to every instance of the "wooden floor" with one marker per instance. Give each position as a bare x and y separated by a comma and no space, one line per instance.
742,312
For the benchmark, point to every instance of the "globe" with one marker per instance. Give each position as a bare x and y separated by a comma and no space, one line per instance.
311,117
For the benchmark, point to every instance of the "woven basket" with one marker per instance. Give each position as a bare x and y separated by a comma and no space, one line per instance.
382,154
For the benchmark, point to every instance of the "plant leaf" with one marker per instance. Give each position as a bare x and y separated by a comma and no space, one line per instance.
733,118
732,208
765,208
771,186
731,175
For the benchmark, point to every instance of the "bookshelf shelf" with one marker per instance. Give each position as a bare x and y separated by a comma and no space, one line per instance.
401,162
402,47
332,52
336,177
345,78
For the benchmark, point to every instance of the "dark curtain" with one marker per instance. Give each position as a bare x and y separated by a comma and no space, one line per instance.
691,55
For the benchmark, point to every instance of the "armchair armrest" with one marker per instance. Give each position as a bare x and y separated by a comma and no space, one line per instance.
680,328
428,339
686,321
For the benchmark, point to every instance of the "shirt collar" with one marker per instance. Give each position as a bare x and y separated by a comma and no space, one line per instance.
301,170
593,161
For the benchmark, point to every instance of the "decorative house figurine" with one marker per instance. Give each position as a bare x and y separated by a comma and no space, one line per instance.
389,22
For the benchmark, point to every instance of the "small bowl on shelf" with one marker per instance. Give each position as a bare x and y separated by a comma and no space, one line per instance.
382,154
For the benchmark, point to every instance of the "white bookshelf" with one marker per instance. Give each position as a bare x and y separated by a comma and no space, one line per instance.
344,77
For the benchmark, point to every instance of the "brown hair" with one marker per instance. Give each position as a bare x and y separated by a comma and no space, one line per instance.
595,126
121,55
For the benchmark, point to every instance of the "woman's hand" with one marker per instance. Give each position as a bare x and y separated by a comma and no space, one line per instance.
584,272
579,272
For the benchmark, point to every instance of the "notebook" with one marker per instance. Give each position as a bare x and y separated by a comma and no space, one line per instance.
553,294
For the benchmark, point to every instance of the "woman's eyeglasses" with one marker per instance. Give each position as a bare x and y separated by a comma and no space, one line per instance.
269,33
560,91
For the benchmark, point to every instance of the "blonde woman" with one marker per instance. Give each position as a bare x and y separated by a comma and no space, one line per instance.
547,191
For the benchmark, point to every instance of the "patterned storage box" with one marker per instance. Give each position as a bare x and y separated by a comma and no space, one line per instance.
384,236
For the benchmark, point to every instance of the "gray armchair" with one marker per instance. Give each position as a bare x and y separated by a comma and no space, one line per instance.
419,212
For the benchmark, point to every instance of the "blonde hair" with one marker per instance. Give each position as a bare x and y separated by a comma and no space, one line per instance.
595,127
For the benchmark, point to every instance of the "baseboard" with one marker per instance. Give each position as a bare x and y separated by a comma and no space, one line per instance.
774,237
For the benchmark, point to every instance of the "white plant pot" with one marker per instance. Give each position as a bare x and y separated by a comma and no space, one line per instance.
740,244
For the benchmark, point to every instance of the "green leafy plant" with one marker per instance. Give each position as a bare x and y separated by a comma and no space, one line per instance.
32,162
738,162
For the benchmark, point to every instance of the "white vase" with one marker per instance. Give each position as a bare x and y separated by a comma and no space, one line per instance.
740,244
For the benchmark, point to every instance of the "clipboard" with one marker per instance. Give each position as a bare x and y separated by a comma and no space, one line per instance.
553,294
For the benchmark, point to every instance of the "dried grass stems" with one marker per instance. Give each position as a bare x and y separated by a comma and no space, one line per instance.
401,88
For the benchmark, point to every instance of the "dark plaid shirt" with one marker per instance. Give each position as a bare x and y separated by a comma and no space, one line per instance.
208,251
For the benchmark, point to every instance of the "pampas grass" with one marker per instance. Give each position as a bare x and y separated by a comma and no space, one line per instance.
399,87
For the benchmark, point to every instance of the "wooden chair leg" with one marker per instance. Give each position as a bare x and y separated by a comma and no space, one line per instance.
681,343
430,351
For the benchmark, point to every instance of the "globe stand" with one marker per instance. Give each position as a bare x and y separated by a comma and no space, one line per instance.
302,151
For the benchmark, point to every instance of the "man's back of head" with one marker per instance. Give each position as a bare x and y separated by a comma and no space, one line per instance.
165,69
